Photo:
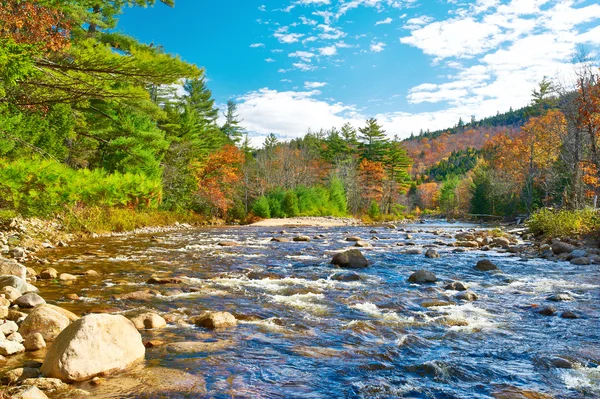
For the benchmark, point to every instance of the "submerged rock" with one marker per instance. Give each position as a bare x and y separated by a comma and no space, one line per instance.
302,239
280,239
353,239
26,392
568,315
346,276
509,392
422,277
164,280
432,253
547,311
351,258
95,344
228,244
560,297
456,286
467,296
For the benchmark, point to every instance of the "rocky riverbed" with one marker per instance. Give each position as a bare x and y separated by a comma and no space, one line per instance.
428,310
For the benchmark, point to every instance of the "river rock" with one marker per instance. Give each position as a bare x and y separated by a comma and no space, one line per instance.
435,304
49,273
486,265
20,374
467,296
413,251
4,302
501,241
148,321
467,244
561,363
422,277
567,314
91,273
560,247
464,236
18,283
15,337
26,392
17,253
351,258
228,244
578,253
353,239
547,311
509,392
432,253
10,267
214,320
8,348
67,277
29,301
8,327
4,311
95,344
302,239
48,320
346,276
11,293
136,295
164,280
580,261
561,297
456,286
51,385
15,315
280,239
34,342
362,244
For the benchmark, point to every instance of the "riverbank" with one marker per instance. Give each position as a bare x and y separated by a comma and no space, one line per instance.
309,221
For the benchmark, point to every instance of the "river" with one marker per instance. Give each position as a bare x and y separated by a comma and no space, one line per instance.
303,335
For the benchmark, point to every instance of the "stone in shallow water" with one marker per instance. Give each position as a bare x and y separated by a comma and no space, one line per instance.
467,296
547,311
432,253
434,304
48,320
302,239
509,392
559,297
346,276
29,301
456,286
228,244
351,258
422,277
485,265
148,320
216,320
93,345
20,374
569,315
197,347
164,280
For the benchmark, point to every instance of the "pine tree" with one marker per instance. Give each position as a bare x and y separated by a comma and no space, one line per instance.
232,128
373,141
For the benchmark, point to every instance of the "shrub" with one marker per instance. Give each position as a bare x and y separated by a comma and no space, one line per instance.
289,204
564,223
373,211
261,207
34,187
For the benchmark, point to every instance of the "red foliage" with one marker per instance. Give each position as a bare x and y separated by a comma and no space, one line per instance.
218,178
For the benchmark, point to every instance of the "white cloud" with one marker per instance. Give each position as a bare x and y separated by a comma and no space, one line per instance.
386,21
377,47
306,2
328,51
326,15
314,85
262,8
284,36
257,45
304,67
304,55
269,60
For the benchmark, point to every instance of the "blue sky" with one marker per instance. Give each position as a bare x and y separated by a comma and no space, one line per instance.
413,64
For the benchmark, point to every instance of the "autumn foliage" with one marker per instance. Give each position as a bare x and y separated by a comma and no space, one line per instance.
30,23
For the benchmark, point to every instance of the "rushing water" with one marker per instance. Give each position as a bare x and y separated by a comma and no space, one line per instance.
303,335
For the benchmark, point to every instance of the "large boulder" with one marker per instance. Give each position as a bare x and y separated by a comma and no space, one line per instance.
578,253
18,283
422,277
95,344
48,320
351,258
10,267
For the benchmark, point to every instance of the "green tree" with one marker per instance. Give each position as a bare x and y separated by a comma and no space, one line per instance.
373,141
231,128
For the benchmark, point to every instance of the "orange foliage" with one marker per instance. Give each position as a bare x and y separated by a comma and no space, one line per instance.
429,195
219,176
29,23
590,177
371,178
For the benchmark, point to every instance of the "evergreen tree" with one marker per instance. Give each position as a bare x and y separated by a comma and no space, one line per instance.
373,141
232,128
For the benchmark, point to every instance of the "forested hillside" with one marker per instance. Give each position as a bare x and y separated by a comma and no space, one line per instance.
91,120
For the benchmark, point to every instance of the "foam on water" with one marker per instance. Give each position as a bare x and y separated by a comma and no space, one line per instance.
372,310
585,380
275,285
307,301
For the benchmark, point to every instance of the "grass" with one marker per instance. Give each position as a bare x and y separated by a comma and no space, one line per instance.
564,223
105,219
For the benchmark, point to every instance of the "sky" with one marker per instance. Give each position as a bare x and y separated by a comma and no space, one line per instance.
294,65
